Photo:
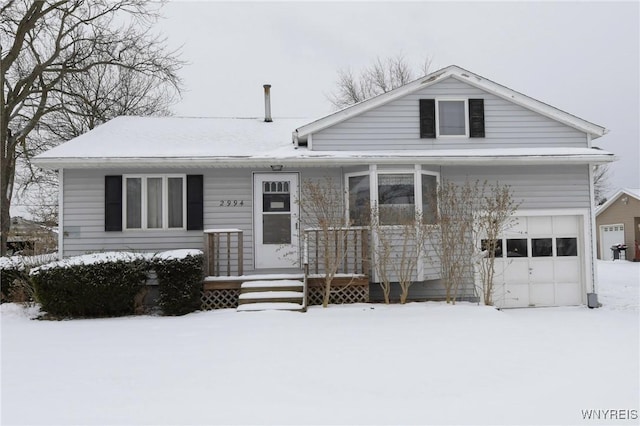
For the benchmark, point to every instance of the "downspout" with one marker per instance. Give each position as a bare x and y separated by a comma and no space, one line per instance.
61,214
592,297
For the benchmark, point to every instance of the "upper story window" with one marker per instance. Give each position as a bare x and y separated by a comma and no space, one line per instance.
155,202
452,118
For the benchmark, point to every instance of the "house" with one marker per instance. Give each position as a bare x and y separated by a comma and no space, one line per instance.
618,223
27,237
229,186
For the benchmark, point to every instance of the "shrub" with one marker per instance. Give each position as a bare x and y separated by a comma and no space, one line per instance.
15,283
180,275
98,285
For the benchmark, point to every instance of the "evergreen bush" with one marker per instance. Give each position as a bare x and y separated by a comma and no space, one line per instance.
180,274
96,288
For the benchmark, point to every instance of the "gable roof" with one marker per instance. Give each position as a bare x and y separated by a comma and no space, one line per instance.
465,76
632,192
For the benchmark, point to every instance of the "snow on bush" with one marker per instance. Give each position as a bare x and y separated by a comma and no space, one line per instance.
94,258
113,283
180,274
14,276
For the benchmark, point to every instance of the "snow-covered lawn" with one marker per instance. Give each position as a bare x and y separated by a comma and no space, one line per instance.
422,363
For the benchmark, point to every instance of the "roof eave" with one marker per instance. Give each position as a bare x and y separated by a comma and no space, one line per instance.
318,160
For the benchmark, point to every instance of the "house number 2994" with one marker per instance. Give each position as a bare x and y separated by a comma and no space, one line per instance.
231,203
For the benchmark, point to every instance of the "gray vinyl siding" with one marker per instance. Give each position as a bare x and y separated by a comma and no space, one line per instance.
83,213
534,187
395,125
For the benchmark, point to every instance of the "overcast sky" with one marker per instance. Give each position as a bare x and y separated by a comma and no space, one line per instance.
580,57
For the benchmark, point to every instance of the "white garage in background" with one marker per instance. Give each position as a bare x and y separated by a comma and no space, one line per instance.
610,235
541,261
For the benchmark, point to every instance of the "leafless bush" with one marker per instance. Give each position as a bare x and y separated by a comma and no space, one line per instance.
322,211
469,213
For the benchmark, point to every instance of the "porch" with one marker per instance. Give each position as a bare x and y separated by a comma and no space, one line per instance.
226,285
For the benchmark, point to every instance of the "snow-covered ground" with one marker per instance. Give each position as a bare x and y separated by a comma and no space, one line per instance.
422,363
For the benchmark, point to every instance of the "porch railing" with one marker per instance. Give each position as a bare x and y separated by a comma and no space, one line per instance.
348,248
223,252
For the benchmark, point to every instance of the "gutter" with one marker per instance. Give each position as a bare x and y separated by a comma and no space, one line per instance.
318,159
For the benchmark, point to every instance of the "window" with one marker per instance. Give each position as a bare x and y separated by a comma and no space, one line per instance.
567,246
451,118
154,202
486,245
396,197
359,200
429,199
517,247
541,247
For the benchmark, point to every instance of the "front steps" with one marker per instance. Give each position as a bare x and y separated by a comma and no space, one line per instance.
281,295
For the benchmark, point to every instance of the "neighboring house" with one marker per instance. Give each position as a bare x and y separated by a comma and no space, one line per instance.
230,185
618,222
27,237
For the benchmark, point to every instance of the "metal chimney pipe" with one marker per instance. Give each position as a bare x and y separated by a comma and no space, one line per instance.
267,103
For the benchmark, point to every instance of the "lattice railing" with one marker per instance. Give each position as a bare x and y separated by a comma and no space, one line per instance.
340,295
219,299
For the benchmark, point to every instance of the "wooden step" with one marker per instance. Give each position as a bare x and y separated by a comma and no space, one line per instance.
282,306
264,284
271,297
277,294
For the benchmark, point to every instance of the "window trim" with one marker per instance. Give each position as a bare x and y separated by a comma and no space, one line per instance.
373,174
144,201
466,117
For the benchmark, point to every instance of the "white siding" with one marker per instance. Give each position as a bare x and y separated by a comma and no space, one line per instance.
396,125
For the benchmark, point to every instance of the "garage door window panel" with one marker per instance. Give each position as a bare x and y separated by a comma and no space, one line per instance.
517,247
541,247
567,247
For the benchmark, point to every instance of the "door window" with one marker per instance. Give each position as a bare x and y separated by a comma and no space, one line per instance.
276,213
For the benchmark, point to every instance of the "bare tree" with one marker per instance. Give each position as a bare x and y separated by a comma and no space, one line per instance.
470,212
453,243
380,77
494,214
323,215
398,250
45,48
601,174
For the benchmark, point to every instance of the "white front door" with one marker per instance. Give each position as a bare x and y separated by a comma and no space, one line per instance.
275,218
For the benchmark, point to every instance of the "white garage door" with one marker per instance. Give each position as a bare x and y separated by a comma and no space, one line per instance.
610,235
539,263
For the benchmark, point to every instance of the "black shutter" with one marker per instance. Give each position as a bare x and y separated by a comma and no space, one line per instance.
112,203
427,118
195,202
476,118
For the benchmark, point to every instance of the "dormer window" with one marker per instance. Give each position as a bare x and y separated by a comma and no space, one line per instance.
451,118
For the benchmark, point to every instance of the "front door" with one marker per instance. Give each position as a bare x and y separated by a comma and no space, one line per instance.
276,220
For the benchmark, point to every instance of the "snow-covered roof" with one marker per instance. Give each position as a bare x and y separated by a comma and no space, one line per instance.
463,75
250,142
632,192
178,137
